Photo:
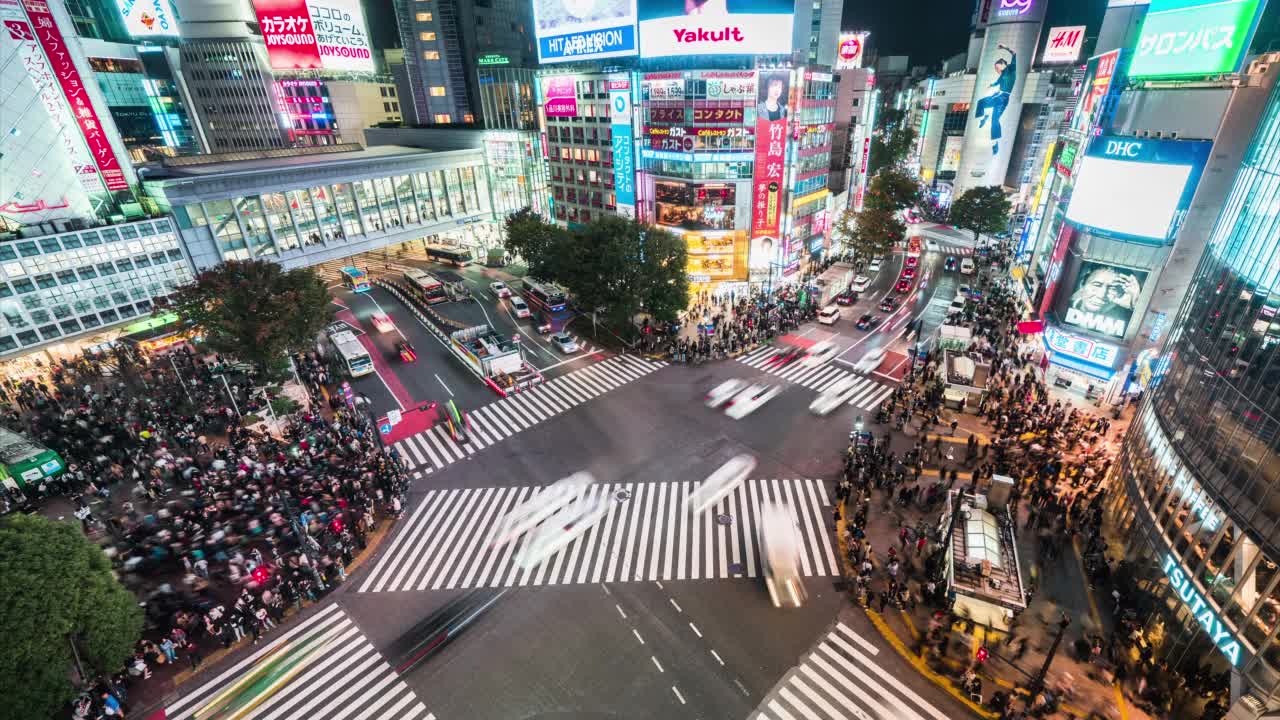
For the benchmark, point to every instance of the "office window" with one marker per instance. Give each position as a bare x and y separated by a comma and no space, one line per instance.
442,118
423,17
431,55
426,36
437,91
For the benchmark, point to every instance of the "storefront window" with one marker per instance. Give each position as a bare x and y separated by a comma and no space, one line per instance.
469,189
330,228
426,208
443,207
387,201
404,192
455,192
226,230
305,215
277,211
368,205
347,209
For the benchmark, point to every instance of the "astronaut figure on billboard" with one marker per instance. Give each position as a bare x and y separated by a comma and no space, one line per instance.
994,104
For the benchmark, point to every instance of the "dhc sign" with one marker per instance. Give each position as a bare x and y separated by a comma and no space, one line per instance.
1123,148
1200,608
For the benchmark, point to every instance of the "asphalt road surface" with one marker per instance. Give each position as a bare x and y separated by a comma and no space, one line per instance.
651,613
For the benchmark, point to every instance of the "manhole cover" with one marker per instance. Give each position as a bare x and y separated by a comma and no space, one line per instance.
622,495
737,568
724,519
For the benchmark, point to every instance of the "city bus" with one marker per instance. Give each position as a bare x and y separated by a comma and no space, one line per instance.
428,288
354,357
543,296
449,255
24,462
780,554
355,279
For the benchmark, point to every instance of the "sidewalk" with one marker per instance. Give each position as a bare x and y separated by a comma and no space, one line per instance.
1062,587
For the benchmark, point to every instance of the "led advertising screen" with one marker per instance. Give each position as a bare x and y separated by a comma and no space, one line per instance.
715,27
1064,44
571,30
1099,77
148,18
1137,189
771,156
1104,298
1183,38
560,96
849,50
690,206
620,115
315,35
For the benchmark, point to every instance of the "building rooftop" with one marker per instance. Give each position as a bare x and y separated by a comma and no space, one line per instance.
266,161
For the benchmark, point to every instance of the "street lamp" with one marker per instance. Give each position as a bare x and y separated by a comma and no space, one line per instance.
1037,683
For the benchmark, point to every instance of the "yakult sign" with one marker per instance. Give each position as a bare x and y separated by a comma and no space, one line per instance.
715,27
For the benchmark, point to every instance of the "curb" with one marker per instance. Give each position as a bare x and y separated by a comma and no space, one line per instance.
923,668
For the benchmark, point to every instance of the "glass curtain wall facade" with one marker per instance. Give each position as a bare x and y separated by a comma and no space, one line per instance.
1201,464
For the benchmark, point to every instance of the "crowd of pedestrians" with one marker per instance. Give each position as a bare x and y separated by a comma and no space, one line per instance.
725,325
219,529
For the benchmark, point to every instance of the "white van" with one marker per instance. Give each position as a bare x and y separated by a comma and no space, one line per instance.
966,266
829,315
860,283
518,306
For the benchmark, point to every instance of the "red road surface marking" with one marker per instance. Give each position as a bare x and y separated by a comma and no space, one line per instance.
380,365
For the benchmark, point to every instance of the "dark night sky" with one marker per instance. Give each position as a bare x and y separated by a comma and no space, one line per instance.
932,30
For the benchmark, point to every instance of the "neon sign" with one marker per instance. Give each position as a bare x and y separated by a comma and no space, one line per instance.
1203,612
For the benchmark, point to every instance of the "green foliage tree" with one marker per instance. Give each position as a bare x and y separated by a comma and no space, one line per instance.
533,239
892,189
871,232
892,142
981,210
56,587
255,312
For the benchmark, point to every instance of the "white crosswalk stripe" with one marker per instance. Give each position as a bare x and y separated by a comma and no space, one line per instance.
340,676
840,679
435,449
446,542
866,396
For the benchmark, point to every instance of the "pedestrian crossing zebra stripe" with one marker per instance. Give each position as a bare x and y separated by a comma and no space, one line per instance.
447,541
867,395
349,681
840,679
434,448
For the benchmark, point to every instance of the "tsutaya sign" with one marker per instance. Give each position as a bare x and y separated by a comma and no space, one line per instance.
1203,612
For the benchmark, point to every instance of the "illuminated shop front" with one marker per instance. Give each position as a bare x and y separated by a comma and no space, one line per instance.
1200,469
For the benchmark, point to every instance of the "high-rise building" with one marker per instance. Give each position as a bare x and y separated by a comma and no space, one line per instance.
851,133
1199,473
445,41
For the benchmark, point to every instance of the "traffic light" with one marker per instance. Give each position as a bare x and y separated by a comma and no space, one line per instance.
983,654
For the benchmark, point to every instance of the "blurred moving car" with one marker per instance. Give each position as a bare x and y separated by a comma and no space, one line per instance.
903,286
967,267
564,343
820,353
720,483
784,359
868,321
406,351
780,555
381,322
518,306
860,283
870,361
908,273
949,265
889,303
911,261
836,395
723,392
750,400
875,265
500,289
848,297
829,315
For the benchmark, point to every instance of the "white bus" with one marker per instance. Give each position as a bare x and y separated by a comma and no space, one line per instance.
425,286
780,554
353,355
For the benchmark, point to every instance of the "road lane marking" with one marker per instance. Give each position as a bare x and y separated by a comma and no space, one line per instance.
446,387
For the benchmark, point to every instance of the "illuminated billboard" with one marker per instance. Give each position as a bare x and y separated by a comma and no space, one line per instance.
572,30
1104,298
560,96
1137,189
315,35
1183,38
1099,77
1064,44
715,27
148,18
849,50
